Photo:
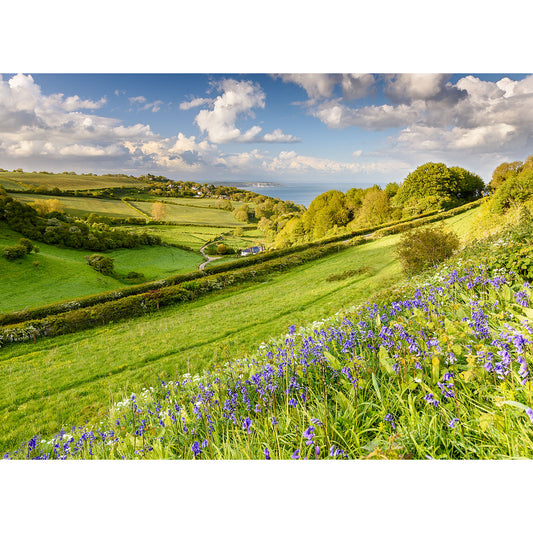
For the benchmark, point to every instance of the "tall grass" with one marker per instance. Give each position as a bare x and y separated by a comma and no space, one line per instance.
437,368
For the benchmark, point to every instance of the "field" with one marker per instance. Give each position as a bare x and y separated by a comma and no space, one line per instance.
188,214
10,184
74,377
62,273
69,181
196,236
79,206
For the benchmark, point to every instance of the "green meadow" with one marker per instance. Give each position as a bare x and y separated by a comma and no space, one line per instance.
80,205
56,274
69,379
69,181
188,214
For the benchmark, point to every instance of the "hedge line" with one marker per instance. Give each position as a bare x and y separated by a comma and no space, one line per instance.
140,304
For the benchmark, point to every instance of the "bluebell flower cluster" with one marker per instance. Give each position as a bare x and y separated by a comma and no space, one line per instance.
283,399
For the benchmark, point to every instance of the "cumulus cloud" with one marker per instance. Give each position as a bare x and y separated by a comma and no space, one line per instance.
152,106
320,86
196,102
33,124
238,99
278,136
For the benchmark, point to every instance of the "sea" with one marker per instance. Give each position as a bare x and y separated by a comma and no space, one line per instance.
299,193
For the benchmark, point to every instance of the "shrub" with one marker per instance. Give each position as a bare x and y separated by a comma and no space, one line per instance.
425,247
221,249
28,245
14,252
101,263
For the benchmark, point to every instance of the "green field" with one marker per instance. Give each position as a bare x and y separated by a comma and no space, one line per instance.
62,273
204,202
70,378
10,184
79,206
188,214
196,236
69,181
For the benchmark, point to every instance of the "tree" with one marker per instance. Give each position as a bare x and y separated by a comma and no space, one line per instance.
375,208
159,211
503,172
45,207
221,249
327,210
435,186
424,247
101,263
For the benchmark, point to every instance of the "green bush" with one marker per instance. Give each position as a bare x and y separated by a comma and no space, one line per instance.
15,252
421,248
101,263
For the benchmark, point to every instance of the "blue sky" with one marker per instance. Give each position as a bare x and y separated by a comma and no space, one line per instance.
290,128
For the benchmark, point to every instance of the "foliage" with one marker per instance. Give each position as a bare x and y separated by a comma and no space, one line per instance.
222,249
503,172
45,207
424,247
101,263
434,186
515,190
14,252
24,247
67,231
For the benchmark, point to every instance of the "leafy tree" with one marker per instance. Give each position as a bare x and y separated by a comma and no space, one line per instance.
101,263
424,247
221,249
44,207
325,211
435,186
392,189
375,208
242,213
515,190
503,172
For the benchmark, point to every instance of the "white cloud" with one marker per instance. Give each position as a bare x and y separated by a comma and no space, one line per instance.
315,85
36,125
278,136
137,99
237,98
196,102
409,87
319,86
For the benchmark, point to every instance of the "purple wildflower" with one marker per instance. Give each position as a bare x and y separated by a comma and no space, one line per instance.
452,422
246,424
390,418
267,454
196,449
296,454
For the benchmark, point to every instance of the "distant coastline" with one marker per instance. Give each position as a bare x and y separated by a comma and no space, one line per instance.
247,184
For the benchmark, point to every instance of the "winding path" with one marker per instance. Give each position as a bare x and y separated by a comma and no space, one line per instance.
209,259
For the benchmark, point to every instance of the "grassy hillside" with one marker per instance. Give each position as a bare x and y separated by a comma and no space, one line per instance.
188,214
63,273
68,181
79,206
66,379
